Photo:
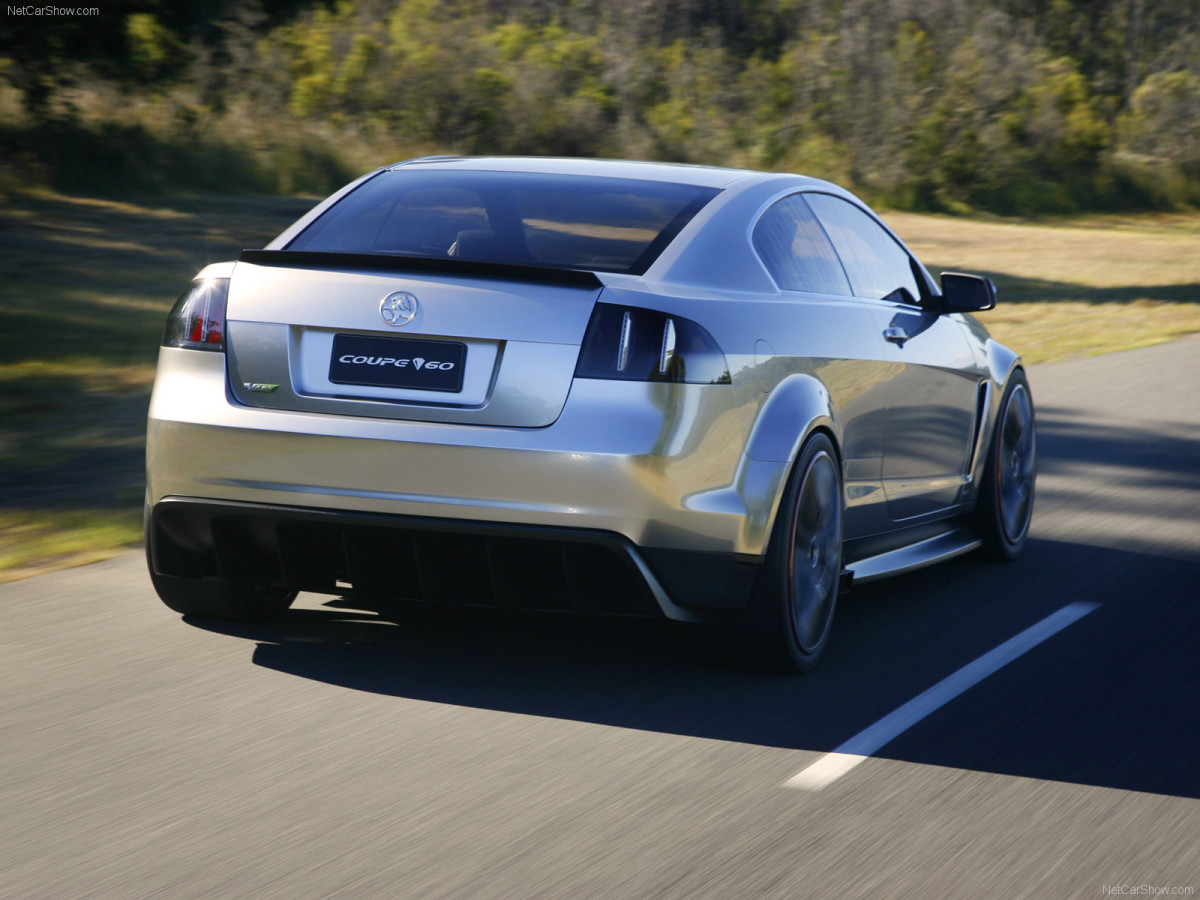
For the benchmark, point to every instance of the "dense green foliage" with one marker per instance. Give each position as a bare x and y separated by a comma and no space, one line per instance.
1008,105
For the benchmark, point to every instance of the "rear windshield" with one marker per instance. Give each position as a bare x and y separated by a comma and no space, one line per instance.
563,221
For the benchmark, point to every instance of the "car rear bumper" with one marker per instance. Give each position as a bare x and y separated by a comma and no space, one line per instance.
438,560
654,473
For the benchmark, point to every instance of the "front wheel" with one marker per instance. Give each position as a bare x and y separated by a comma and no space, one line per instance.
1005,505
791,612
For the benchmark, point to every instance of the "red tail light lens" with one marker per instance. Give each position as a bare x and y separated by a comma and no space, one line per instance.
631,344
197,320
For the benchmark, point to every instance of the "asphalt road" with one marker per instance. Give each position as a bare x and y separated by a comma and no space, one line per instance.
339,755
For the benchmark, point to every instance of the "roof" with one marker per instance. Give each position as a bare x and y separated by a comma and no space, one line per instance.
679,173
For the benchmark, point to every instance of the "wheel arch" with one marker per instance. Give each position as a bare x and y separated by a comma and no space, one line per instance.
1001,362
798,407
795,408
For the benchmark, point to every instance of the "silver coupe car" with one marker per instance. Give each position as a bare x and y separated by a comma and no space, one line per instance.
714,395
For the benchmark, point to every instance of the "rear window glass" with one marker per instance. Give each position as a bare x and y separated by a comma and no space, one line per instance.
563,221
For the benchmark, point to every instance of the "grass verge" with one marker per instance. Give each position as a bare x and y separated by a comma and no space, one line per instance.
33,542
1073,287
85,285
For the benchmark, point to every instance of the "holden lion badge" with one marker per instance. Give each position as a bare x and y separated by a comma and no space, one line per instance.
398,309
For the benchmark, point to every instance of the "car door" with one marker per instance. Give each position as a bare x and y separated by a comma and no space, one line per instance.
933,396
836,336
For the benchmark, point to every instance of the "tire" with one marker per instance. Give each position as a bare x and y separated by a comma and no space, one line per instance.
787,625
1005,506
207,598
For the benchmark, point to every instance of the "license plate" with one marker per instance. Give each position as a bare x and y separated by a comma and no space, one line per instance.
398,363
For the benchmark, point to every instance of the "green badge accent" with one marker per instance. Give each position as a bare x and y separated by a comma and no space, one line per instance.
260,388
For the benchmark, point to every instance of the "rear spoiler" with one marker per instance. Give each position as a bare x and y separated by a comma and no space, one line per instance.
390,262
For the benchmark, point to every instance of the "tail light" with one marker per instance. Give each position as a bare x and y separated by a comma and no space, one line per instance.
632,344
197,320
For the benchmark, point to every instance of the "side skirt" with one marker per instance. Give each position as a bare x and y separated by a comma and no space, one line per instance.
955,541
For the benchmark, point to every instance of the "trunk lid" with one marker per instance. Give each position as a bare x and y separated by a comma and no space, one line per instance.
472,343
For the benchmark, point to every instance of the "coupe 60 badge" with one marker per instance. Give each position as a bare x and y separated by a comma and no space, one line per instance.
397,362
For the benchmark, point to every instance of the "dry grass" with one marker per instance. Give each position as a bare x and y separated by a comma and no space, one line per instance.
1098,252
1044,332
36,541
1075,287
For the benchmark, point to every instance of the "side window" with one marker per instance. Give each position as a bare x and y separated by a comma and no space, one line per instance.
876,264
796,251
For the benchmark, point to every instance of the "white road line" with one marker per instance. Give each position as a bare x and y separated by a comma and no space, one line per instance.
842,759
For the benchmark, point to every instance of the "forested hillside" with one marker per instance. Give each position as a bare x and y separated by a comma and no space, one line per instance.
1013,106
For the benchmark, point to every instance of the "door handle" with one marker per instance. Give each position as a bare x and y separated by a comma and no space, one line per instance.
895,334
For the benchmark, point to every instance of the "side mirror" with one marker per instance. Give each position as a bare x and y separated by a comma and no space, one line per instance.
967,293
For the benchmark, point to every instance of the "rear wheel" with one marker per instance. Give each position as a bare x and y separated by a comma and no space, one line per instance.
1005,505
791,613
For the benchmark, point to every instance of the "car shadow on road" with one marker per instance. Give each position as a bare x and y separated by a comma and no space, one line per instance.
1068,438
1107,702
